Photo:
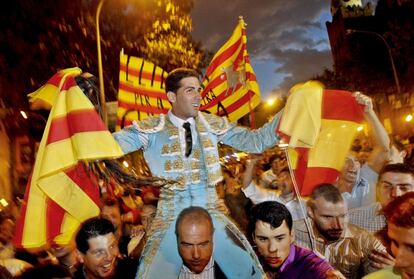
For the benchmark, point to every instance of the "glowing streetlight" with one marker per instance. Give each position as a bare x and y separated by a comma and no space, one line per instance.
23,113
270,102
4,203
360,128
408,118
125,163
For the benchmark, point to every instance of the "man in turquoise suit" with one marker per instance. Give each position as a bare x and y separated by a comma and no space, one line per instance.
182,146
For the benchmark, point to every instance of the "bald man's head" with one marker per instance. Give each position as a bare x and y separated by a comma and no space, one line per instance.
194,230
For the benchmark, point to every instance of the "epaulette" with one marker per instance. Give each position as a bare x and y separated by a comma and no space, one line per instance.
215,124
151,124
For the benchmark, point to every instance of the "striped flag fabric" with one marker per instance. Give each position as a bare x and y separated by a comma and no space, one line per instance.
319,125
141,90
61,192
230,85
44,97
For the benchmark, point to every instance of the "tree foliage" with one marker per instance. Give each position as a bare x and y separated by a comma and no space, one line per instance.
37,39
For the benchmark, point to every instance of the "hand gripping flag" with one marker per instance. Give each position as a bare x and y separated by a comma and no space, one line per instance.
141,90
230,85
319,125
61,193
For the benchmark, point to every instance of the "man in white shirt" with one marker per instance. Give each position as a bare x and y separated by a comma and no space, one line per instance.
194,230
356,182
269,177
283,194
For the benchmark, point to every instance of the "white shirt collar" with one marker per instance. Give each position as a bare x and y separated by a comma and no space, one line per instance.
178,122
210,265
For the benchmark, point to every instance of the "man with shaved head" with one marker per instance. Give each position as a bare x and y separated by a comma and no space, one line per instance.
194,230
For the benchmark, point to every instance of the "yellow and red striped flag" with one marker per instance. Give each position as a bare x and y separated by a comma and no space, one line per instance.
61,192
319,125
141,90
230,85
44,97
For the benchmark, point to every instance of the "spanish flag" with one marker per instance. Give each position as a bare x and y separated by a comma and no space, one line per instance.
141,90
319,125
230,85
61,192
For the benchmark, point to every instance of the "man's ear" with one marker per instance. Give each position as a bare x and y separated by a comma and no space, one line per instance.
292,234
310,211
254,238
79,256
172,97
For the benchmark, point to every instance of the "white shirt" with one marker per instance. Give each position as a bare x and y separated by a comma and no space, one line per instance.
268,177
178,122
258,194
207,273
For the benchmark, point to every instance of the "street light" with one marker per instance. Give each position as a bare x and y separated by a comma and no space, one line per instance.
101,79
397,82
270,102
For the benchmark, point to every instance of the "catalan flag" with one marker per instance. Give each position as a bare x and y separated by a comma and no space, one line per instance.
230,85
141,90
61,192
319,125
44,97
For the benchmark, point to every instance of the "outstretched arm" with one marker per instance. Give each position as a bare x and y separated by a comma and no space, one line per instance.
130,139
381,148
255,141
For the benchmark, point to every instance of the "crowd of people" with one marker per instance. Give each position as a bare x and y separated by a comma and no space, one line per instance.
238,218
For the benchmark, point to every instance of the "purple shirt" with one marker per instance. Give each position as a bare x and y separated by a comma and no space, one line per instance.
301,263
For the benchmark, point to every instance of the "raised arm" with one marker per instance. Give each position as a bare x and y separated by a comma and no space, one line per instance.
381,148
251,190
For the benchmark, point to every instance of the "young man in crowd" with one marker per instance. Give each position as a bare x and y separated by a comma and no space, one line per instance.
132,242
98,252
394,180
399,214
277,162
271,228
345,246
356,183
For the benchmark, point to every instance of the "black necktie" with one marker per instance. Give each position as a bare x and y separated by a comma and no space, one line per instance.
188,139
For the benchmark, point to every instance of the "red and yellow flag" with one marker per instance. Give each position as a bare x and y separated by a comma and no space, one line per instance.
230,85
61,193
319,125
44,97
141,90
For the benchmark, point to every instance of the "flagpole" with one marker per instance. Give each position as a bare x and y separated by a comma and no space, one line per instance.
251,111
302,206
101,78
